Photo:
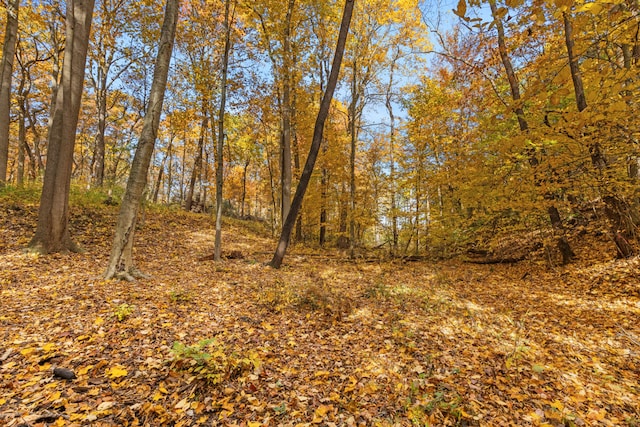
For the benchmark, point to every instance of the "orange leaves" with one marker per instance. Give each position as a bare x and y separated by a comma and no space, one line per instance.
422,343
461,9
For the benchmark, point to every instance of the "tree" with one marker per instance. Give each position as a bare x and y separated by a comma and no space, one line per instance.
52,232
121,259
228,18
316,142
108,62
620,215
283,67
514,85
6,71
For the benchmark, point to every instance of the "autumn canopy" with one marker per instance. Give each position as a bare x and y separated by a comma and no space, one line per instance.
455,185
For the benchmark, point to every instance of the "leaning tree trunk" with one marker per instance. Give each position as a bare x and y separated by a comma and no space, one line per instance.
121,259
316,141
217,251
617,210
554,215
6,70
52,232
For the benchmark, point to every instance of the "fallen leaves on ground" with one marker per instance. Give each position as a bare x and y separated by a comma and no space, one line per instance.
323,341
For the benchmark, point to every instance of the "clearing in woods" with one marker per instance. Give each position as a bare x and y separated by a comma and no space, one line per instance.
323,341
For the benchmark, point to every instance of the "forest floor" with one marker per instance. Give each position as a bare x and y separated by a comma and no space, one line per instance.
322,341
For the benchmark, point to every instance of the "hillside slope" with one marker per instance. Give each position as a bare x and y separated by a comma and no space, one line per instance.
323,341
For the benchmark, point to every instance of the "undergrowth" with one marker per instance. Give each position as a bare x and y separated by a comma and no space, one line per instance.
211,362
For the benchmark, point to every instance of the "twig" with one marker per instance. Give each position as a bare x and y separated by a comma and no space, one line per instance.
629,336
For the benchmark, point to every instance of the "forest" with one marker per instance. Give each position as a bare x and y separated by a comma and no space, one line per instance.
301,212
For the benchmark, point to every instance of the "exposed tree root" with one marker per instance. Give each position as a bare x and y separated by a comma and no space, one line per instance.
130,275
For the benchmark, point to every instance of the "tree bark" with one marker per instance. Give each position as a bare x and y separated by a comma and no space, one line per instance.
6,71
197,163
392,166
244,187
554,215
619,214
217,252
121,259
52,232
99,149
285,148
316,141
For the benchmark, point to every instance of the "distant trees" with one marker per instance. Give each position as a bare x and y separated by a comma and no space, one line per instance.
522,120
318,131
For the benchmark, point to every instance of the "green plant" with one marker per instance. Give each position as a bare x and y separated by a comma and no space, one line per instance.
211,361
446,407
377,290
29,192
123,311
94,197
276,296
179,296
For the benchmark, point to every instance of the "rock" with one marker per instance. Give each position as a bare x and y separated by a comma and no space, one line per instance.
64,373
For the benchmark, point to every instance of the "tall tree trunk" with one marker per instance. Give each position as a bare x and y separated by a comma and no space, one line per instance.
343,240
99,148
324,183
296,164
156,187
352,159
39,166
392,165
618,212
197,163
22,136
324,180
170,171
554,215
121,259
272,186
244,186
6,71
316,141
52,232
217,251
285,147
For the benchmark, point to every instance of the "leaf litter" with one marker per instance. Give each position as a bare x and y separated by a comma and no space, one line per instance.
323,341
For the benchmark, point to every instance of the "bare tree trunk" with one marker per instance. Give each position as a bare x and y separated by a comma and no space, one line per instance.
22,135
554,215
52,232
197,164
285,148
352,159
121,259
244,186
316,141
323,201
170,172
97,162
6,70
581,99
272,186
392,166
620,215
156,187
217,252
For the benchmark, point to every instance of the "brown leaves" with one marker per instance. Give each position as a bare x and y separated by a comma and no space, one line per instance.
321,342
